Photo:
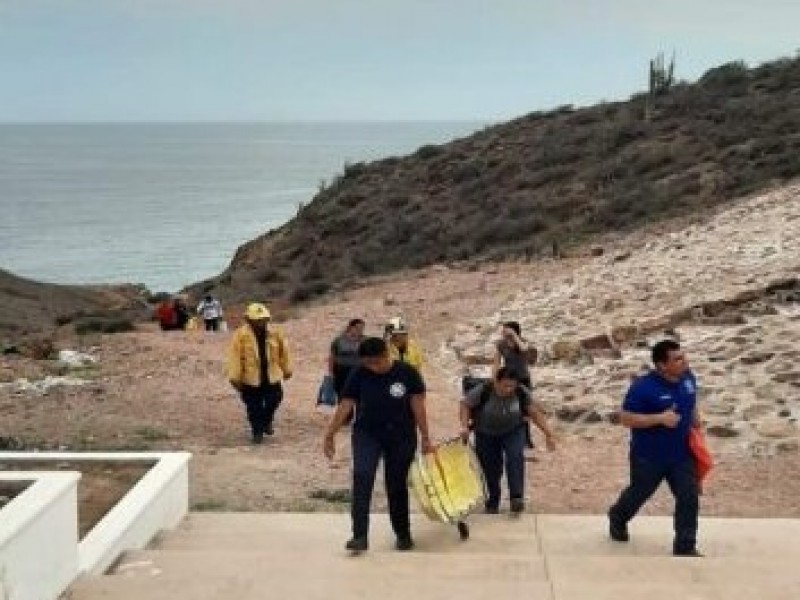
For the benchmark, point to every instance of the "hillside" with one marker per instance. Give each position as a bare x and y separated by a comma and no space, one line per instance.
535,186
31,307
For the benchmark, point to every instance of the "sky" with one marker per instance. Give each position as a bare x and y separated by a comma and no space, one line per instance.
331,60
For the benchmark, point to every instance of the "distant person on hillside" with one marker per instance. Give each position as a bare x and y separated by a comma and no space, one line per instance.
258,363
497,411
181,313
660,409
388,397
401,346
210,309
512,352
165,313
343,358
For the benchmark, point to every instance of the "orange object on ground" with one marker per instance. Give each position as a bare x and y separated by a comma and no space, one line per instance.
703,460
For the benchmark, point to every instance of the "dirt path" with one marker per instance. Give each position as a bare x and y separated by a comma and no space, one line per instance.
152,390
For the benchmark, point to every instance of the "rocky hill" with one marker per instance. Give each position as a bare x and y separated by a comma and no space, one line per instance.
32,308
728,288
538,185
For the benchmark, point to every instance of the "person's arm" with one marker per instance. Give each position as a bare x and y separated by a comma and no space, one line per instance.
538,418
340,417
421,420
283,358
464,417
233,366
497,362
668,418
522,345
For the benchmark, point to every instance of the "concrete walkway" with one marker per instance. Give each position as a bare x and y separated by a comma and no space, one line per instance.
541,557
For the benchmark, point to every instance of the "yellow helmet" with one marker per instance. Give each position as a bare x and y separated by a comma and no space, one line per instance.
256,311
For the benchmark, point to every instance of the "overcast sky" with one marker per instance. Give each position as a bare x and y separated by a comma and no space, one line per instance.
90,60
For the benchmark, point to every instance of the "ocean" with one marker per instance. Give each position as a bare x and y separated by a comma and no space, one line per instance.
167,205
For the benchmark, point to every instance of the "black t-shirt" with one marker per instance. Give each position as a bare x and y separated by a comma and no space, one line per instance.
383,401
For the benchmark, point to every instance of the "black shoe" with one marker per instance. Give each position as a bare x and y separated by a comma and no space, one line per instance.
269,430
357,544
258,438
404,543
492,510
517,506
693,553
618,533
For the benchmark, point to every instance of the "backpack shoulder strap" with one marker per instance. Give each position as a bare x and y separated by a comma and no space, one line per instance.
486,393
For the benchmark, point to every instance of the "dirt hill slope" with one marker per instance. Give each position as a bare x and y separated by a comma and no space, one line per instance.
536,185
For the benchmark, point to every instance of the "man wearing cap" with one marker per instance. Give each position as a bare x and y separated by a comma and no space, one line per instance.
401,347
258,363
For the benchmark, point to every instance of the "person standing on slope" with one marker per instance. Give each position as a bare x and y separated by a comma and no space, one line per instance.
258,363
210,310
401,346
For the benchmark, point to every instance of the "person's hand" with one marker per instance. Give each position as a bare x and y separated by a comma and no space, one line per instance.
670,418
427,446
550,442
329,446
464,434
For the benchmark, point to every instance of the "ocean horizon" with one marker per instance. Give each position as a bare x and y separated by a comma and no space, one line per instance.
166,204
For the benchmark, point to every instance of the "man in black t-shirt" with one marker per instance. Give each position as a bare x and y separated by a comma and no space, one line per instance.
389,401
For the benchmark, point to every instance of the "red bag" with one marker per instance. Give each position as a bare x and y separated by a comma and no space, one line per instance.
703,462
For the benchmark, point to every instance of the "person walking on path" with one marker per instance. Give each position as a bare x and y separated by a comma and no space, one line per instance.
512,352
210,309
497,412
401,346
258,363
660,409
388,397
343,358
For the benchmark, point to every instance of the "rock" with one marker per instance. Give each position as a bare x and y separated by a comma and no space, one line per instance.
756,411
389,300
597,251
755,358
568,351
776,428
621,256
624,334
720,409
598,342
792,377
785,413
787,446
583,412
722,430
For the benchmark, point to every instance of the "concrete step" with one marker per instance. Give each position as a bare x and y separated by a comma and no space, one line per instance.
544,557
501,535
652,536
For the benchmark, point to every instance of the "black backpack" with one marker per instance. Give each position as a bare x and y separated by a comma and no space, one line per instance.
468,383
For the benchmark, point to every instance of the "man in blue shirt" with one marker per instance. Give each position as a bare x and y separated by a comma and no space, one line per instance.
389,401
660,409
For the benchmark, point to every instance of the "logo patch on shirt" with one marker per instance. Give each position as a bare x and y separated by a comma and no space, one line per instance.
397,390
689,386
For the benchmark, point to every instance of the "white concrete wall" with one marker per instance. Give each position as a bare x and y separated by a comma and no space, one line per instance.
158,501
39,536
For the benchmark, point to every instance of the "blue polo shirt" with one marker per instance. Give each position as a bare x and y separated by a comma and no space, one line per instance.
652,394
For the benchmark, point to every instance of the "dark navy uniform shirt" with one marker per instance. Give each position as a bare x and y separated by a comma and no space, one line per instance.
383,401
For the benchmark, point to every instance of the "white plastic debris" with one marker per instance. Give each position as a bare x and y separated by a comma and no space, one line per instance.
75,359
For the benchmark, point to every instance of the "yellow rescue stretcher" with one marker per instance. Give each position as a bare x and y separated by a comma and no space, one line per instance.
448,483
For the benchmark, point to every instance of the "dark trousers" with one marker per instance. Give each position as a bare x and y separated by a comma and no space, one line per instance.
397,449
261,403
645,479
211,324
493,451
